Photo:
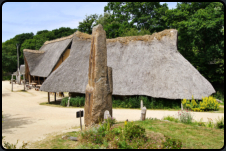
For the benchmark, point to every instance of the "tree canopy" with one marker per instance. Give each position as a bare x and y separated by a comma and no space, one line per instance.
200,28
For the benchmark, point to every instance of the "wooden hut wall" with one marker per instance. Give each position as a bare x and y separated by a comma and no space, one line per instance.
62,58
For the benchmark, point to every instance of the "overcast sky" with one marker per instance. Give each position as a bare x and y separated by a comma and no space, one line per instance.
27,17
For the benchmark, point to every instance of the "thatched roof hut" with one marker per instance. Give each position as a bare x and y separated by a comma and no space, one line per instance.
41,62
141,65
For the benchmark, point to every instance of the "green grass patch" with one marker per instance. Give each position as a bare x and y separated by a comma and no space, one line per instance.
157,134
192,137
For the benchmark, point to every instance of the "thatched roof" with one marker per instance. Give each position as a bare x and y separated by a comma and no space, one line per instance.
41,62
22,69
14,73
141,65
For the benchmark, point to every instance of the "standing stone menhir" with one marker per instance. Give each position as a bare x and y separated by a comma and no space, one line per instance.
99,88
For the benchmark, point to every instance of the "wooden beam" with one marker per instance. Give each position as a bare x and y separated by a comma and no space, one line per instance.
24,81
12,85
38,81
55,96
29,78
48,98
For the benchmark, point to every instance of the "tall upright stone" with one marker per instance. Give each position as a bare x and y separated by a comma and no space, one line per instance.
99,88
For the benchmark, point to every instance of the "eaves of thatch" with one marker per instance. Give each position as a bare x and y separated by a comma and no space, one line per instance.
141,65
33,57
14,73
41,62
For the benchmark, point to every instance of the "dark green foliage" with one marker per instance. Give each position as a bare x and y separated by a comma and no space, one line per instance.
28,41
77,101
64,101
172,143
87,24
6,77
134,131
130,102
111,121
220,123
148,102
219,95
200,36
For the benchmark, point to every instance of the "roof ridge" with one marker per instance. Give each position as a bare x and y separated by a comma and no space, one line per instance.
33,51
127,39
59,39
156,35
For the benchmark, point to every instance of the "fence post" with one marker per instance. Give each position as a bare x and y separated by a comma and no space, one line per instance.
12,85
143,113
48,98
81,119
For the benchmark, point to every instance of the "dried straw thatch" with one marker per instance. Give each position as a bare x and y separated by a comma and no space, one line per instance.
14,73
22,69
41,62
143,65
59,39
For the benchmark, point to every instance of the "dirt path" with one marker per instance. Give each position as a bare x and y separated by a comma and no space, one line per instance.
26,120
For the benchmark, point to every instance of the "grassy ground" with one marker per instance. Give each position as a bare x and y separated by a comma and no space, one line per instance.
55,142
192,137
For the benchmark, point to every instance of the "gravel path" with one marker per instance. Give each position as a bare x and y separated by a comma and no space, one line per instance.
26,120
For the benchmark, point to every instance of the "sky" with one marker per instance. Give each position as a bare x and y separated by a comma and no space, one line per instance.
27,17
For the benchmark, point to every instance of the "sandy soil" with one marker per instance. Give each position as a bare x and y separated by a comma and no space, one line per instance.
26,120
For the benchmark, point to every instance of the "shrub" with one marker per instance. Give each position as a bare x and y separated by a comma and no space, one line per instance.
207,103
133,131
110,120
64,101
6,77
171,118
7,145
201,123
210,123
219,123
77,101
172,143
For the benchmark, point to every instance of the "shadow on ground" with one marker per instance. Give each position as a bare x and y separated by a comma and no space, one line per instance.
9,122
5,94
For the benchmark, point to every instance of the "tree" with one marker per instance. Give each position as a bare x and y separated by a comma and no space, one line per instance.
144,15
63,32
200,38
87,24
28,41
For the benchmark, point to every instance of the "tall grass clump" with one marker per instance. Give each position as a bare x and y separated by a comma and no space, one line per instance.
220,123
185,117
171,118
